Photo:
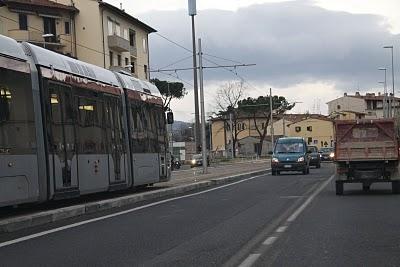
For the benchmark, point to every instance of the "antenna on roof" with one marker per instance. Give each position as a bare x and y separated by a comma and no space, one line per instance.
120,5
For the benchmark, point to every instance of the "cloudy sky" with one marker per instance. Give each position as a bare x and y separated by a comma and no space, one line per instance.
308,51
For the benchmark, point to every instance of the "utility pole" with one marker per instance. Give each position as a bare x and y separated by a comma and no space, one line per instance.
272,118
192,13
386,107
203,112
231,130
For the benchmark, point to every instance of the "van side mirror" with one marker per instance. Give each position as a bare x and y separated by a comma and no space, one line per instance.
170,117
270,152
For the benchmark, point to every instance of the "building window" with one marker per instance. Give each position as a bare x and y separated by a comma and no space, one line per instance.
309,140
117,29
133,70
23,22
119,60
126,36
263,125
110,27
111,59
145,71
67,27
297,129
338,106
309,128
315,142
132,38
126,61
144,45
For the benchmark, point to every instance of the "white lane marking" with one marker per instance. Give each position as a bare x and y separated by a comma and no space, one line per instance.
309,200
270,240
281,229
28,237
250,260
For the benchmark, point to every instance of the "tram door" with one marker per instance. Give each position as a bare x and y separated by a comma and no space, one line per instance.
62,143
115,139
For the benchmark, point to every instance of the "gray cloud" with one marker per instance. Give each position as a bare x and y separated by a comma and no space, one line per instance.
291,43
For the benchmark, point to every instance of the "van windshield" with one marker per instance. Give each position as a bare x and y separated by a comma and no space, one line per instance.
289,146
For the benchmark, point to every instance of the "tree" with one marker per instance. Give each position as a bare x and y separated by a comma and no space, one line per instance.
227,99
257,108
169,91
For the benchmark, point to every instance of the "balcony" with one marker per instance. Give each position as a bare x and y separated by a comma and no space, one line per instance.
118,43
35,37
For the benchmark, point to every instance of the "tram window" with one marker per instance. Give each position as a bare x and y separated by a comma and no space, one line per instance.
17,125
91,137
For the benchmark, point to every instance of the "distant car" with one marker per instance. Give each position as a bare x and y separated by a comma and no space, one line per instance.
327,153
197,160
290,154
315,157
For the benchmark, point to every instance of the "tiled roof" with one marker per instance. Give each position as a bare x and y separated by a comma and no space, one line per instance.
38,3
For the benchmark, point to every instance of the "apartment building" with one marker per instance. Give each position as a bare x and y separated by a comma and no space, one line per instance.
358,106
89,30
42,22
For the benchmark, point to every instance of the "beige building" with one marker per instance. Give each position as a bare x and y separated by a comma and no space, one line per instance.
31,21
316,129
357,106
90,30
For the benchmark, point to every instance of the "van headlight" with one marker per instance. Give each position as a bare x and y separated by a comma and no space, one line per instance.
301,159
193,161
275,160
332,155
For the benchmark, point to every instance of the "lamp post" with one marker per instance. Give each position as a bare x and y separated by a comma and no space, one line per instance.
391,101
192,13
386,110
47,35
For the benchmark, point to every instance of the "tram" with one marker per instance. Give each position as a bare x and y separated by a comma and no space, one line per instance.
69,128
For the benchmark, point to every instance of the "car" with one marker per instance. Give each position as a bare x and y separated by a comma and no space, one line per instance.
315,157
290,154
197,160
327,153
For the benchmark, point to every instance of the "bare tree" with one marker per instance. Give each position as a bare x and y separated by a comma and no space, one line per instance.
226,103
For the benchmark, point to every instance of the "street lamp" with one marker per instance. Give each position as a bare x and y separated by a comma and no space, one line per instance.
47,35
385,109
392,97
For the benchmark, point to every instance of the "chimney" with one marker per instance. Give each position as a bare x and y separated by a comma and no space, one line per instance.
345,94
357,93
379,93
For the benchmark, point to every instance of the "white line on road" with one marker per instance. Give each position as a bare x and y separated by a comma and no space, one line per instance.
281,229
270,240
250,260
309,200
25,238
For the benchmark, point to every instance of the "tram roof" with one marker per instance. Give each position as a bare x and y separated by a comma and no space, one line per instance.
10,47
50,59
132,83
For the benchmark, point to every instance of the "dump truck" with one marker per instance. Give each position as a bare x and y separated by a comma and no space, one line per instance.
366,152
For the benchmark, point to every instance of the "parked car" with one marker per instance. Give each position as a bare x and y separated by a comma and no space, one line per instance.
315,157
197,160
290,154
327,153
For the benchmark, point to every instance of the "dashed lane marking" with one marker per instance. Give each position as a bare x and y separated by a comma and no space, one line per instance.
270,240
250,260
281,229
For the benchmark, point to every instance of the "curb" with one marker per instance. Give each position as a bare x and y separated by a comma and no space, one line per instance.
45,217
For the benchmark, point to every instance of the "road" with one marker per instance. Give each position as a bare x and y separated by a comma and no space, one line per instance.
229,225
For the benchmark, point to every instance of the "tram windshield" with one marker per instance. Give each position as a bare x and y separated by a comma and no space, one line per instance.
17,125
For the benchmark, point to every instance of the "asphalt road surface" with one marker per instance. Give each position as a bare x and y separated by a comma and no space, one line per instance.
287,220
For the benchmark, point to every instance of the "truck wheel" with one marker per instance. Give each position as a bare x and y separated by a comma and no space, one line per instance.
339,188
319,166
278,173
396,187
274,172
366,188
